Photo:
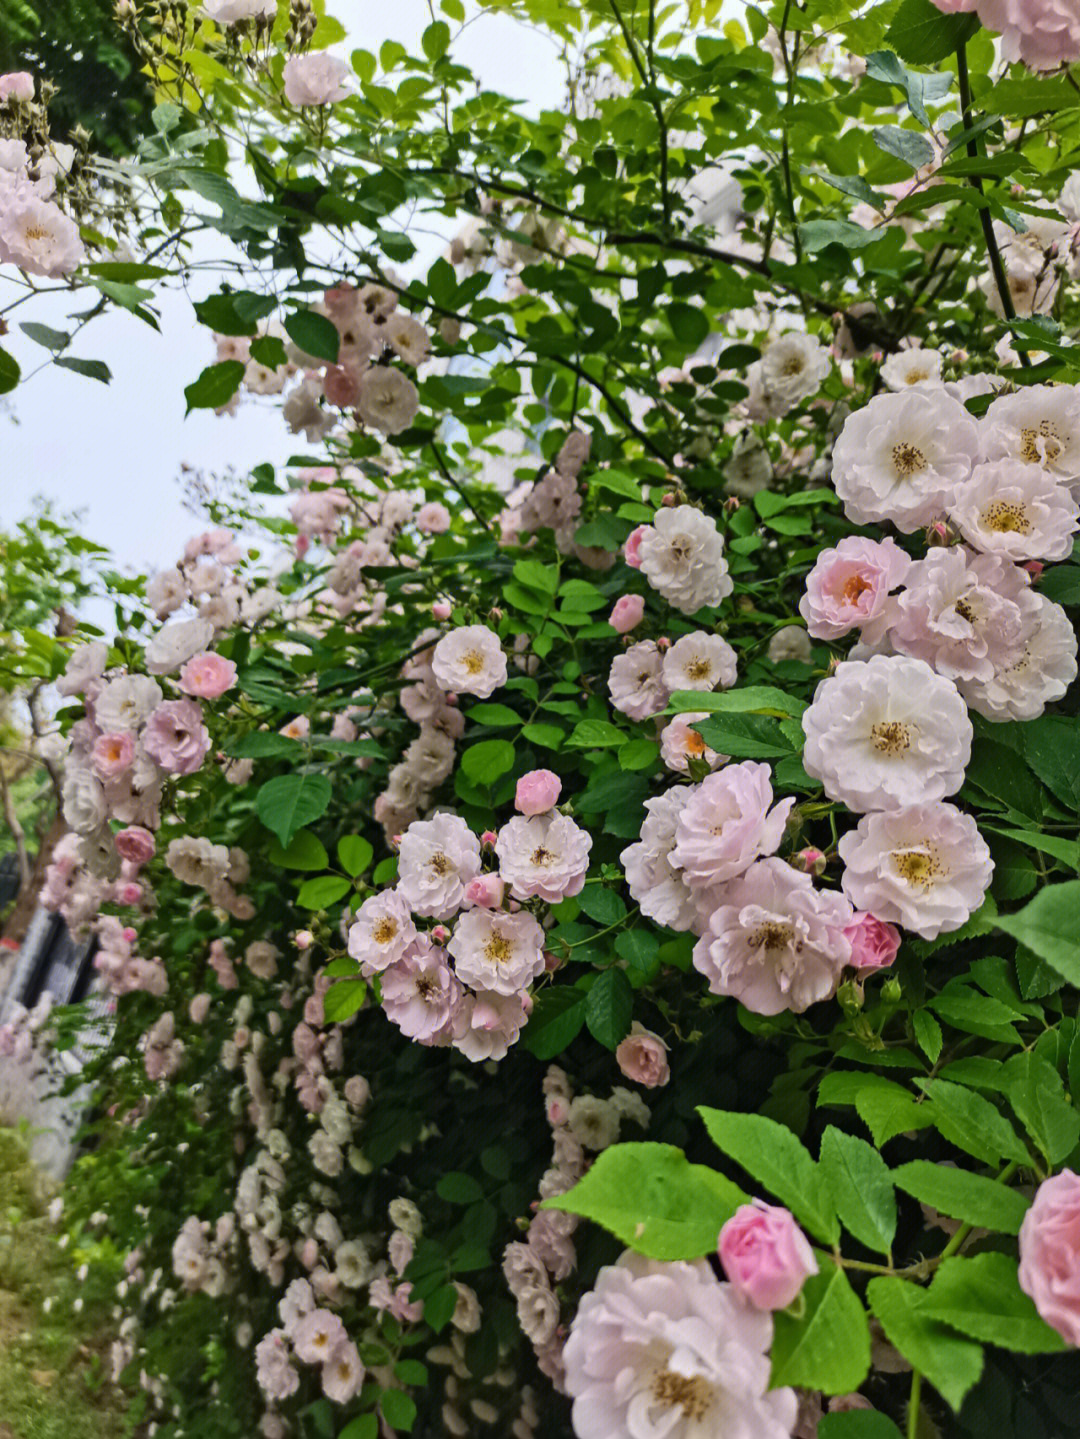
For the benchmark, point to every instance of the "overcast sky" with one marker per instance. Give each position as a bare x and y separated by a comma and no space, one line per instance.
113,452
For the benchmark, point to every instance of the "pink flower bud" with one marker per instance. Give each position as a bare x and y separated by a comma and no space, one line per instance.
627,614
874,944
810,861
486,890
632,547
642,1057
135,844
17,85
129,893
552,961
439,933
303,939
663,643
489,837
1035,569
557,1110
303,544
765,1255
442,609
495,614
668,500
537,792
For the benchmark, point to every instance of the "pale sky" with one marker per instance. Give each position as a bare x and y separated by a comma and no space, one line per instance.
113,452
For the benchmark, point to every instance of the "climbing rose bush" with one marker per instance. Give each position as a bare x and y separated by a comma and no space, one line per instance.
582,857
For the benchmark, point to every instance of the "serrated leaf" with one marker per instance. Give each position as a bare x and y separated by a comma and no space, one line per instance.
1048,927
9,372
828,1347
556,1020
485,762
961,1195
54,340
654,1200
981,1296
953,1365
342,1000
215,386
314,334
323,891
858,1180
354,854
973,1124
305,851
1037,1096
922,35
609,1008
778,1160
858,1424
89,369
928,1033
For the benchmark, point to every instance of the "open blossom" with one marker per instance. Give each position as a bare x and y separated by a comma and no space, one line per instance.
775,942
113,755
135,844
874,944
966,615
791,369
420,993
84,805
437,859
488,1023
36,235
381,931
315,79
657,886
230,12
886,732
849,588
207,676
1050,1254
682,557
1020,511
317,1336
926,867
1024,684
1038,425
388,400
496,951
700,661
274,1372
667,1349
85,664
765,1255
343,1374
906,368
176,643
126,703
470,660
636,682
901,457
545,855
433,519
1043,34
727,824
175,736
680,743
17,85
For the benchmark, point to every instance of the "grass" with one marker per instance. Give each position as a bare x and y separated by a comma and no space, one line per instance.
54,1366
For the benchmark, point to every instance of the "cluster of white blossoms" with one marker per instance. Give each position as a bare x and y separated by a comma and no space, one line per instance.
35,233
644,677
470,987
791,370
681,554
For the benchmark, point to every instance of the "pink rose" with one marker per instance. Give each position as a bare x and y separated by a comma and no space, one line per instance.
765,1255
135,844
627,614
207,676
1050,1254
442,609
537,792
642,1057
17,85
486,891
433,518
175,736
874,944
632,547
112,755
314,79
849,588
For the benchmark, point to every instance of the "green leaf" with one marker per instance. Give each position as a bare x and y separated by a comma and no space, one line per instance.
973,1124
90,369
858,1424
269,351
858,1180
435,40
54,340
817,235
744,736
596,734
354,854
439,1307
398,1409
1048,926
495,716
556,1020
887,1109
215,386
689,324
778,1160
639,754
314,334
922,35
264,744
919,89
483,763
457,1188
981,1296
617,482
654,1200
609,1008
928,1033
322,892
535,576
366,1426
828,1347
305,851
1037,1096
908,145
9,372
961,1195
343,999
290,801
952,1365
749,699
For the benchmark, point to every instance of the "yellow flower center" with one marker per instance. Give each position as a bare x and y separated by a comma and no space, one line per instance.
692,1394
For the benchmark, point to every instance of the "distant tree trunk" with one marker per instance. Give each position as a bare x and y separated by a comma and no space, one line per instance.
17,922
18,834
